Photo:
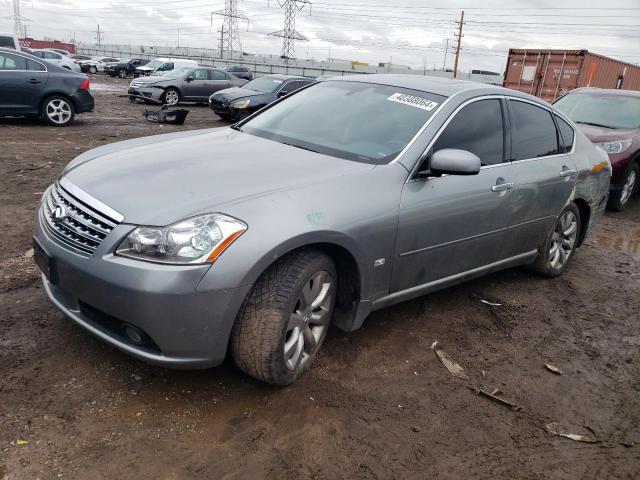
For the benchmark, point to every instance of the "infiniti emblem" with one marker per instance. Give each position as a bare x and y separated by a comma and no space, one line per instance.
59,213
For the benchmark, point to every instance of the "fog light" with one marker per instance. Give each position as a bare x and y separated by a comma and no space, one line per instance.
134,334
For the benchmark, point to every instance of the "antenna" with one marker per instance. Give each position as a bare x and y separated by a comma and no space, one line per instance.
230,38
288,33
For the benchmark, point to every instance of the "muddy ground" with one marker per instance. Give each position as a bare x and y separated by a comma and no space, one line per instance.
376,404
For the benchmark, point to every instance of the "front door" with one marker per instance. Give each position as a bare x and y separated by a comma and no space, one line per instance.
197,86
21,81
452,224
544,171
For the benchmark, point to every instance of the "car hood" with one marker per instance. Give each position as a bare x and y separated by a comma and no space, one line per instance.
604,134
160,180
236,92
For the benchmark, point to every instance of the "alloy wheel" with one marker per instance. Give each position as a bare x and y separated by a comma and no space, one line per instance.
628,187
563,240
59,111
171,97
309,321
123,74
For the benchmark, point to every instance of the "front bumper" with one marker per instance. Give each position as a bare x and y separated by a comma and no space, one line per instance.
104,293
146,92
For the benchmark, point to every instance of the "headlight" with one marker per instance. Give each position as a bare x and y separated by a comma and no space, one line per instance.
196,240
617,146
240,104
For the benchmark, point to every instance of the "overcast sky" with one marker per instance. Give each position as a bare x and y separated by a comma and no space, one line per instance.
408,32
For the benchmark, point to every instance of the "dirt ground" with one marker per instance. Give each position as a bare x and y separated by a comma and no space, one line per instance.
377,404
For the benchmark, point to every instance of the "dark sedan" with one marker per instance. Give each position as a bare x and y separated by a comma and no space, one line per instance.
237,103
240,71
182,84
611,120
30,86
125,68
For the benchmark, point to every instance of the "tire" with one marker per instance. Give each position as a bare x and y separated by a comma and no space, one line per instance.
57,110
557,254
93,69
123,74
285,318
171,96
619,199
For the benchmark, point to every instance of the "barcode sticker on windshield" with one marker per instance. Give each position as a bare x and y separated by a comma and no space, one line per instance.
413,101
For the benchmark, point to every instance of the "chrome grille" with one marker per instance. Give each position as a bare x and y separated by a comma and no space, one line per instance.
80,227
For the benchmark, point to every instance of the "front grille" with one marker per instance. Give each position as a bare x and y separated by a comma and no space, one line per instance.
79,226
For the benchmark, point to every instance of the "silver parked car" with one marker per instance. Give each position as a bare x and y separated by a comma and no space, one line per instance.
64,61
183,84
345,197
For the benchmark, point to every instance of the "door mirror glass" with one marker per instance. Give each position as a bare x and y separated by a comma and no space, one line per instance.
189,78
452,161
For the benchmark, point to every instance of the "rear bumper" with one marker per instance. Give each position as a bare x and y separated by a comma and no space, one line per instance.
104,294
83,101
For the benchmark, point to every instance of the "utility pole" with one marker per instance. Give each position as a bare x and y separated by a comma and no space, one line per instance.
19,29
99,36
446,50
288,33
230,40
459,37
222,41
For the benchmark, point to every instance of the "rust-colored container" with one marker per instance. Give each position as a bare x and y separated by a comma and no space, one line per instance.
549,74
33,43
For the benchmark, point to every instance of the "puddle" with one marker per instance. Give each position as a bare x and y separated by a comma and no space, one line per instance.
628,244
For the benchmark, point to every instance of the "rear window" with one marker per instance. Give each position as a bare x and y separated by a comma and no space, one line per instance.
7,42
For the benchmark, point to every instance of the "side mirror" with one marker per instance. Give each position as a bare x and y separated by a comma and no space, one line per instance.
189,79
452,161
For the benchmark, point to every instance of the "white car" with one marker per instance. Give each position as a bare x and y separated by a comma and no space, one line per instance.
159,66
63,61
97,64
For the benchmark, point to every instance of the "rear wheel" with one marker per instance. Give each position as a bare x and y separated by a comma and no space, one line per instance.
57,111
93,69
618,200
285,318
561,243
122,74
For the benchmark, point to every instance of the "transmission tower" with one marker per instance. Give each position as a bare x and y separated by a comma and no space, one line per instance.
288,33
230,38
18,27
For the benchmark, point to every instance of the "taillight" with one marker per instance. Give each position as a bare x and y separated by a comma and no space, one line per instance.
85,84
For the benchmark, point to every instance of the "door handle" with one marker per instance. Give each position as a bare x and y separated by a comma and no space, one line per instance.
34,80
501,187
566,172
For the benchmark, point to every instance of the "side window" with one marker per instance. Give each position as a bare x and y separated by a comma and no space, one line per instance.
566,134
218,75
291,87
52,56
477,128
38,54
533,133
199,75
12,62
35,66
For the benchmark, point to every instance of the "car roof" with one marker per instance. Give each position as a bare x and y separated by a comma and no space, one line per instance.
607,91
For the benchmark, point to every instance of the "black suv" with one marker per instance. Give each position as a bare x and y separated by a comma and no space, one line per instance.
125,68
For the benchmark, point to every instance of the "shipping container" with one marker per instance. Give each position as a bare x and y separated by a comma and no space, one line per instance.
549,74
46,44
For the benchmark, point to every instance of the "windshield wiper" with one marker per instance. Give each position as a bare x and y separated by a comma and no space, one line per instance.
301,147
236,127
597,125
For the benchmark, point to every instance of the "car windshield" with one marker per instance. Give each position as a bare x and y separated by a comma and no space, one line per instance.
606,110
154,63
177,72
263,84
352,120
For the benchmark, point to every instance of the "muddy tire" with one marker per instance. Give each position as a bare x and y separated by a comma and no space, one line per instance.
618,199
285,318
561,243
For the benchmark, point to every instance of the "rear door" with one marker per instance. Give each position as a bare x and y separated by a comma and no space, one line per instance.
219,81
453,224
545,174
21,83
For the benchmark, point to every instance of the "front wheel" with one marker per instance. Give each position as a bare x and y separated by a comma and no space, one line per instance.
171,96
561,243
93,69
618,200
285,318
122,74
57,111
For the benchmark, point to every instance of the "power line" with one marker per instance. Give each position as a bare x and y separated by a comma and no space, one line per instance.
230,34
288,33
99,36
